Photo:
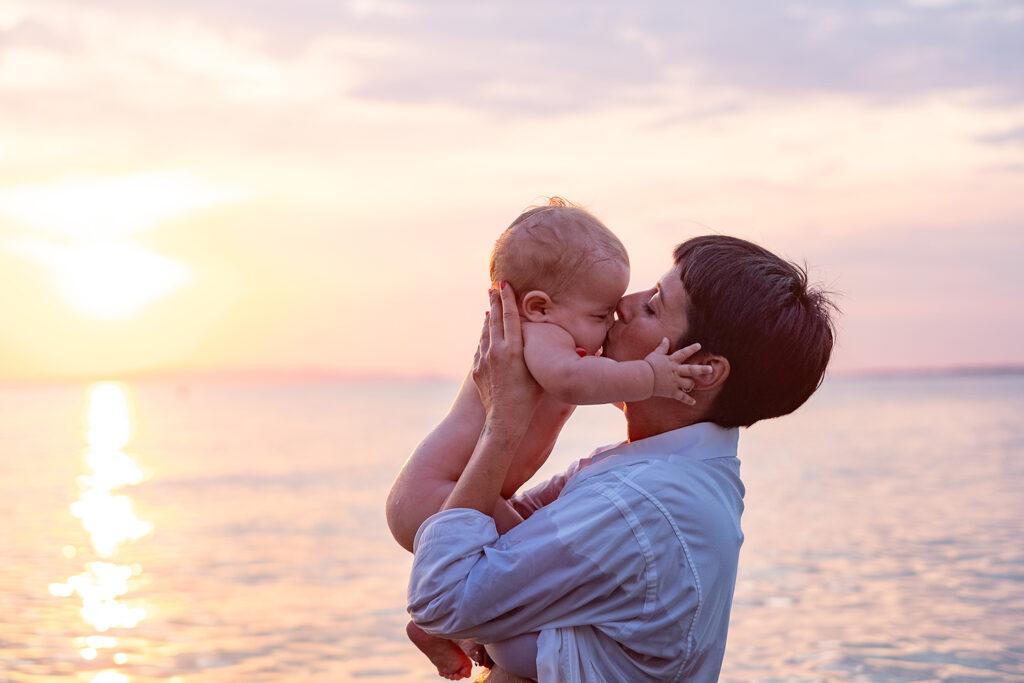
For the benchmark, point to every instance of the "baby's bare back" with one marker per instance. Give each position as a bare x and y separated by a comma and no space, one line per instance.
430,473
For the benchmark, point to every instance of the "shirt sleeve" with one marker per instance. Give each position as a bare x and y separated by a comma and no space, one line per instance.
573,562
528,502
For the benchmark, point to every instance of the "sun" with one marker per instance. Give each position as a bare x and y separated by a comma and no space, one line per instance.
82,228
114,281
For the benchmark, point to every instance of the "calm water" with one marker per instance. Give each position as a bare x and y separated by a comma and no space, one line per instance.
215,532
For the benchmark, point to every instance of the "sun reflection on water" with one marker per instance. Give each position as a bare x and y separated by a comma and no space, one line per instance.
110,520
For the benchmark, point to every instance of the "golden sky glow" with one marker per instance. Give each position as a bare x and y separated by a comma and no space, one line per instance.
186,188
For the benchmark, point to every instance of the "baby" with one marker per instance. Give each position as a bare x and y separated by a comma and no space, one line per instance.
568,272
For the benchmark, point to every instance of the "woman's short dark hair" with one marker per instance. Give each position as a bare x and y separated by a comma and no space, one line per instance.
756,310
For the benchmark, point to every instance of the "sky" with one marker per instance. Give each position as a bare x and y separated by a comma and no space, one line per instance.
315,186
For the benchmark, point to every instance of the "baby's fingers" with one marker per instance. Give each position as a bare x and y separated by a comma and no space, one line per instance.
693,371
662,348
685,352
683,395
685,384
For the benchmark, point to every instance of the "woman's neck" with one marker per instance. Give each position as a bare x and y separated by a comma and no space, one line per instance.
657,416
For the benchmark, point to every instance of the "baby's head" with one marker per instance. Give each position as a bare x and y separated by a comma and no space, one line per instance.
566,267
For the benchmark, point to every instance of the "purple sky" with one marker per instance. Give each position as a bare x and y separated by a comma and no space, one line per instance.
318,184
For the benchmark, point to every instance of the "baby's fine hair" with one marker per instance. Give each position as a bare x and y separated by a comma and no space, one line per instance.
546,246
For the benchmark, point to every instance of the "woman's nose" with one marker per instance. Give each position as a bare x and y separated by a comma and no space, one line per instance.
627,305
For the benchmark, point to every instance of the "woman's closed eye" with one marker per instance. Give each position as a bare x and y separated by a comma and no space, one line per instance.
647,308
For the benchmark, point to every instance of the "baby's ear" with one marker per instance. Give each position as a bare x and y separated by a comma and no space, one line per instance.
535,305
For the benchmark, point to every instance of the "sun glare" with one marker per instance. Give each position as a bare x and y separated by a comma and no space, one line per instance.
109,518
108,417
103,208
114,281
106,281
82,229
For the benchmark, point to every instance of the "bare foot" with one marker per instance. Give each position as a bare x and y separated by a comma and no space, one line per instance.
451,662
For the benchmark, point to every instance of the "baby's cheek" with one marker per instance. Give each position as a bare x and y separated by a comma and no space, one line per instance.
597,336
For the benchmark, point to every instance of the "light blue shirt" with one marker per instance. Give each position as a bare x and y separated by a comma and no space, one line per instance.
628,574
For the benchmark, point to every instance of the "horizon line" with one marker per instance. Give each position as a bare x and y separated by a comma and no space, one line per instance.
319,375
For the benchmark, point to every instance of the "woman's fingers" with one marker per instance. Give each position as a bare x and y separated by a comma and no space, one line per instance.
485,335
494,319
510,316
504,383
483,345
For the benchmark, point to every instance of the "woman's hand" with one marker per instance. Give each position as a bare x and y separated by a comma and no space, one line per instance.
507,389
509,395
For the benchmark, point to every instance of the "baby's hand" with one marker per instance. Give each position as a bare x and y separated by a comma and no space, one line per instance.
672,377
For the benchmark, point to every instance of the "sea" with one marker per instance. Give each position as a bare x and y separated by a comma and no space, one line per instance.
214,530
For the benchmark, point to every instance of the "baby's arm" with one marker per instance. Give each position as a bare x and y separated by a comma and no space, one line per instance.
552,359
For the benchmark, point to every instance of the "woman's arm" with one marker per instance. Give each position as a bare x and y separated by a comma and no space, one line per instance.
509,395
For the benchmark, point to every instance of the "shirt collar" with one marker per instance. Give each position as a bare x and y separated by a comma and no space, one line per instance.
701,441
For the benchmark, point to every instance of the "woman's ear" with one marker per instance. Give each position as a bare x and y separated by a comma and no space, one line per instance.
535,305
719,372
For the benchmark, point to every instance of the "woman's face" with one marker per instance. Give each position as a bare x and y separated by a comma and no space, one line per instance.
644,318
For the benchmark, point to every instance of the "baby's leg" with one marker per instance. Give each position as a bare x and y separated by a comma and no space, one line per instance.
421,489
505,516
426,481
431,471
516,655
